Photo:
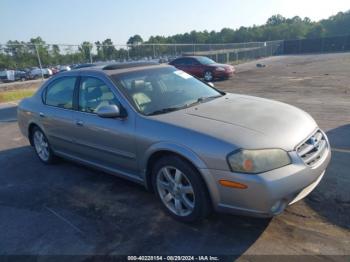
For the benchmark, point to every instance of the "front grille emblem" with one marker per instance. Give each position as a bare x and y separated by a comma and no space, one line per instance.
313,149
313,141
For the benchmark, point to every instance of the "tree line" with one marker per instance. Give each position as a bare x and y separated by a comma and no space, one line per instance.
20,54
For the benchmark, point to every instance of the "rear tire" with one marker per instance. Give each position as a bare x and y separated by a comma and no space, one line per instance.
42,147
180,189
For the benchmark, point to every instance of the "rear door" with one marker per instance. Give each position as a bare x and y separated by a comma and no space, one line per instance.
56,115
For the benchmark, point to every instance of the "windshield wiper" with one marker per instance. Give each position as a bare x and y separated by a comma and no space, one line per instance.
206,98
165,110
170,109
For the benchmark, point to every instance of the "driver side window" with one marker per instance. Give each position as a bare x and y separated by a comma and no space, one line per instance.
94,93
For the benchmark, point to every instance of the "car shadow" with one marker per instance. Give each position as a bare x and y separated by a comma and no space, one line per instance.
73,209
331,198
8,113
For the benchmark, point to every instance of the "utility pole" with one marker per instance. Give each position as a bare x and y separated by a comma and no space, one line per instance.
41,68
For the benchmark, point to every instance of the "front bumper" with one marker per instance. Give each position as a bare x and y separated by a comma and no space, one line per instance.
268,193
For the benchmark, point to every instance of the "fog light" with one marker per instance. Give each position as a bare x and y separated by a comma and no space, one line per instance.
278,207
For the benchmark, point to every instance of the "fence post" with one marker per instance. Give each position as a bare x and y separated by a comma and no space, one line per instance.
41,68
154,52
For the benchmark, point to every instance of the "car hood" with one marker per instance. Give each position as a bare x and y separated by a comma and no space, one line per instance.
246,122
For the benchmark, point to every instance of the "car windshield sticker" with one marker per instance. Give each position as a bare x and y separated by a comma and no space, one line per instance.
182,74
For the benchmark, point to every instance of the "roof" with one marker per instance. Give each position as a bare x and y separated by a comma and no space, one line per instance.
189,56
119,68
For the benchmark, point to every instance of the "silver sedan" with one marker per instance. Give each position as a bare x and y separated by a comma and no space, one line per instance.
196,147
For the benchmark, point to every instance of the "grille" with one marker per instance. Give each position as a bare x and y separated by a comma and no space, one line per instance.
312,150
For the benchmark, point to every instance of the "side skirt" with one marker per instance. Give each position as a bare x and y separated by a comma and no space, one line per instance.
112,171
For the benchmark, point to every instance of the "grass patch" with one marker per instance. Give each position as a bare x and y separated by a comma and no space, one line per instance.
14,95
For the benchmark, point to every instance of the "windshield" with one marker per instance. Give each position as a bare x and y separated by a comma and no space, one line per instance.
161,90
205,60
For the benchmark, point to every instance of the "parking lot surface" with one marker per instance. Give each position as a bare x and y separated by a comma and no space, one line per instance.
70,209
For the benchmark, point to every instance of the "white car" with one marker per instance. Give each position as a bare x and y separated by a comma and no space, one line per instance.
37,73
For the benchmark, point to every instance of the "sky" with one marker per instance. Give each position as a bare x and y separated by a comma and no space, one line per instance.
75,21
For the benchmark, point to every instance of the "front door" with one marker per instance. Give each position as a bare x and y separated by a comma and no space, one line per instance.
108,142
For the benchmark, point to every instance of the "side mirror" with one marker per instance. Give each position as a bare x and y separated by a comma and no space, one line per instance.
110,111
211,84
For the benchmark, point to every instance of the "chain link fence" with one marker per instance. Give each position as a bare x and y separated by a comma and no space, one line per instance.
30,61
22,61
317,45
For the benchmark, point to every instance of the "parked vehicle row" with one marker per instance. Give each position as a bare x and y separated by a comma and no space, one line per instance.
198,66
30,73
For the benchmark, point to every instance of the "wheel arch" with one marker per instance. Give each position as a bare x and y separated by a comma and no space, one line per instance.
31,127
164,149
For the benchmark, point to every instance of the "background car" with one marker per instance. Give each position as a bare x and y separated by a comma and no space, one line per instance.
64,68
7,76
203,67
82,66
37,73
21,75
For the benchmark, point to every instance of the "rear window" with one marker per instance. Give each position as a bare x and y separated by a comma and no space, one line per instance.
60,93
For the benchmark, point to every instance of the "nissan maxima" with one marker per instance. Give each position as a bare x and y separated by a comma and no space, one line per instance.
198,148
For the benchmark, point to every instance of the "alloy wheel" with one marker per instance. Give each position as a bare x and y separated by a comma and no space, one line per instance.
41,145
175,191
208,76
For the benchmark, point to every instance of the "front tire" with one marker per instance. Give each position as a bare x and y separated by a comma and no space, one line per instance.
180,189
42,146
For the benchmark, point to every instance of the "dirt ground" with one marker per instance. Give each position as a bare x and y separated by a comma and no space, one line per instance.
69,209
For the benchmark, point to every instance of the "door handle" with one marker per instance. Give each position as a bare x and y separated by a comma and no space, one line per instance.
41,114
79,123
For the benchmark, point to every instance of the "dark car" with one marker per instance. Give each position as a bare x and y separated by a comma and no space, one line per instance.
13,75
21,75
203,67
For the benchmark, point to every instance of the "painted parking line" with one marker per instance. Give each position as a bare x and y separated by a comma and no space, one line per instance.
63,219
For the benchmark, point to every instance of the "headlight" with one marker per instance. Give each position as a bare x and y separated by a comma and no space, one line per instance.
257,161
220,69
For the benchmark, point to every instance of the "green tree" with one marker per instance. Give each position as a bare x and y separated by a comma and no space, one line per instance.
276,20
85,50
135,40
108,49
99,55
55,54
42,49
